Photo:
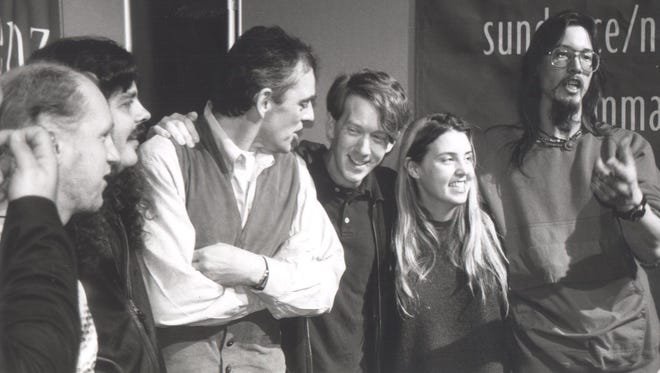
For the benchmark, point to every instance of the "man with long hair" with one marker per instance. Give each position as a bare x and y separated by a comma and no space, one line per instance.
575,200
367,112
107,241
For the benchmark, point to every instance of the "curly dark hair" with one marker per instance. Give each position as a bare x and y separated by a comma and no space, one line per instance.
112,65
126,205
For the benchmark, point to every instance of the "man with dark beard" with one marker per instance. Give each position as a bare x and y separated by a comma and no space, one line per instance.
576,202
107,241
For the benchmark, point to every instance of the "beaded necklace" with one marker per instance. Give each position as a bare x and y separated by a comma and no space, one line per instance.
545,139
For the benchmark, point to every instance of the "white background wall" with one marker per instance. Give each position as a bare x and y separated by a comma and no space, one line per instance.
94,17
346,34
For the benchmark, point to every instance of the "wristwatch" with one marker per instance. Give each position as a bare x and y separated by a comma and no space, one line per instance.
261,285
635,213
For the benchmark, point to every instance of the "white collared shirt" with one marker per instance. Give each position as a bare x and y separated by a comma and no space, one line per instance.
246,167
304,274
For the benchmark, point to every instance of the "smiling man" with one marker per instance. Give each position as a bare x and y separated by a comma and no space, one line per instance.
368,111
239,238
575,201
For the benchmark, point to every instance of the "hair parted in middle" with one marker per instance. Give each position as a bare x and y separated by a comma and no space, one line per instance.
543,41
263,57
474,246
381,90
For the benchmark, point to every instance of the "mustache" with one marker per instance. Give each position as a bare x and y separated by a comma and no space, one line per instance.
139,133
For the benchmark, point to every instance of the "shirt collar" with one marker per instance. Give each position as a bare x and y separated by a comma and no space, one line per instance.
228,149
368,189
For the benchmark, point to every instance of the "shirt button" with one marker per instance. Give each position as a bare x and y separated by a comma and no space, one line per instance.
347,220
336,190
230,343
228,369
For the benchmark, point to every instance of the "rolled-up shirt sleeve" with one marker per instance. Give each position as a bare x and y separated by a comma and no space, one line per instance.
179,294
305,273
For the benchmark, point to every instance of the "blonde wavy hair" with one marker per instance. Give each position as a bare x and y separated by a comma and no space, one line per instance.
474,246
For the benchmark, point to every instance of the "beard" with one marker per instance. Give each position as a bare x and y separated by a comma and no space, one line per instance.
562,113
126,205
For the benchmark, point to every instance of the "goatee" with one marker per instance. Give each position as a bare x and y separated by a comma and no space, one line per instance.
562,113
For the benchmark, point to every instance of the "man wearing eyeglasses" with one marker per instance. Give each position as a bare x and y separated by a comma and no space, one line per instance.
575,200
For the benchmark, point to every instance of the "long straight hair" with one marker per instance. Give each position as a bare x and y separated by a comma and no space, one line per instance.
474,246
544,40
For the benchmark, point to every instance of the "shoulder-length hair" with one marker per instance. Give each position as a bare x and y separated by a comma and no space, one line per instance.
474,246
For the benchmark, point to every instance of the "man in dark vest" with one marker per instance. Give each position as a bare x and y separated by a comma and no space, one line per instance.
367,112
238,238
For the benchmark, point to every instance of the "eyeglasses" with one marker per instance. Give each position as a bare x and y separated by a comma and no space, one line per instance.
561,56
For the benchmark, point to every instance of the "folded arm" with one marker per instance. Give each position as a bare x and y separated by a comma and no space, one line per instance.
305,273
179,293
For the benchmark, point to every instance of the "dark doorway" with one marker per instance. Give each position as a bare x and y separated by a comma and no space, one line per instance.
178,44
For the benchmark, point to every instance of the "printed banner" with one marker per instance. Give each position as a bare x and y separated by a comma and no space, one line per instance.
468,55
26,25
468,58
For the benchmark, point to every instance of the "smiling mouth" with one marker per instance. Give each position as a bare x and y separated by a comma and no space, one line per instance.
460,185
356,163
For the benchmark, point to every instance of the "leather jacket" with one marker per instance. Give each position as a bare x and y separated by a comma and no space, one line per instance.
120,307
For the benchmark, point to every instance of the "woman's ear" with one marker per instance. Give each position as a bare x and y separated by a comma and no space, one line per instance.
412,167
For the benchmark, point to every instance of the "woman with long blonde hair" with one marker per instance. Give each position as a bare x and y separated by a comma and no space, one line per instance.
451,272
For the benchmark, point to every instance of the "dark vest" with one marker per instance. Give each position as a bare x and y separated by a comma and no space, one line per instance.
212,209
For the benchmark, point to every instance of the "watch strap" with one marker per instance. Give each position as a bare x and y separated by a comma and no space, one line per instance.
635,213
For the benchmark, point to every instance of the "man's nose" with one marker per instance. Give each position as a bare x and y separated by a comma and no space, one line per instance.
142,114
308,114
111,152
574,64
364,145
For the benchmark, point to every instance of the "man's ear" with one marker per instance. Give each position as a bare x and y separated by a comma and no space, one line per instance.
412,168
46,121
263,101
390,146
330,127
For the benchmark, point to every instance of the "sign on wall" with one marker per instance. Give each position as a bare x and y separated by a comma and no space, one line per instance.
26,25
468,58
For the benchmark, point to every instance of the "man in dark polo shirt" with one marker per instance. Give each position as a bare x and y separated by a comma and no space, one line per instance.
368,110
